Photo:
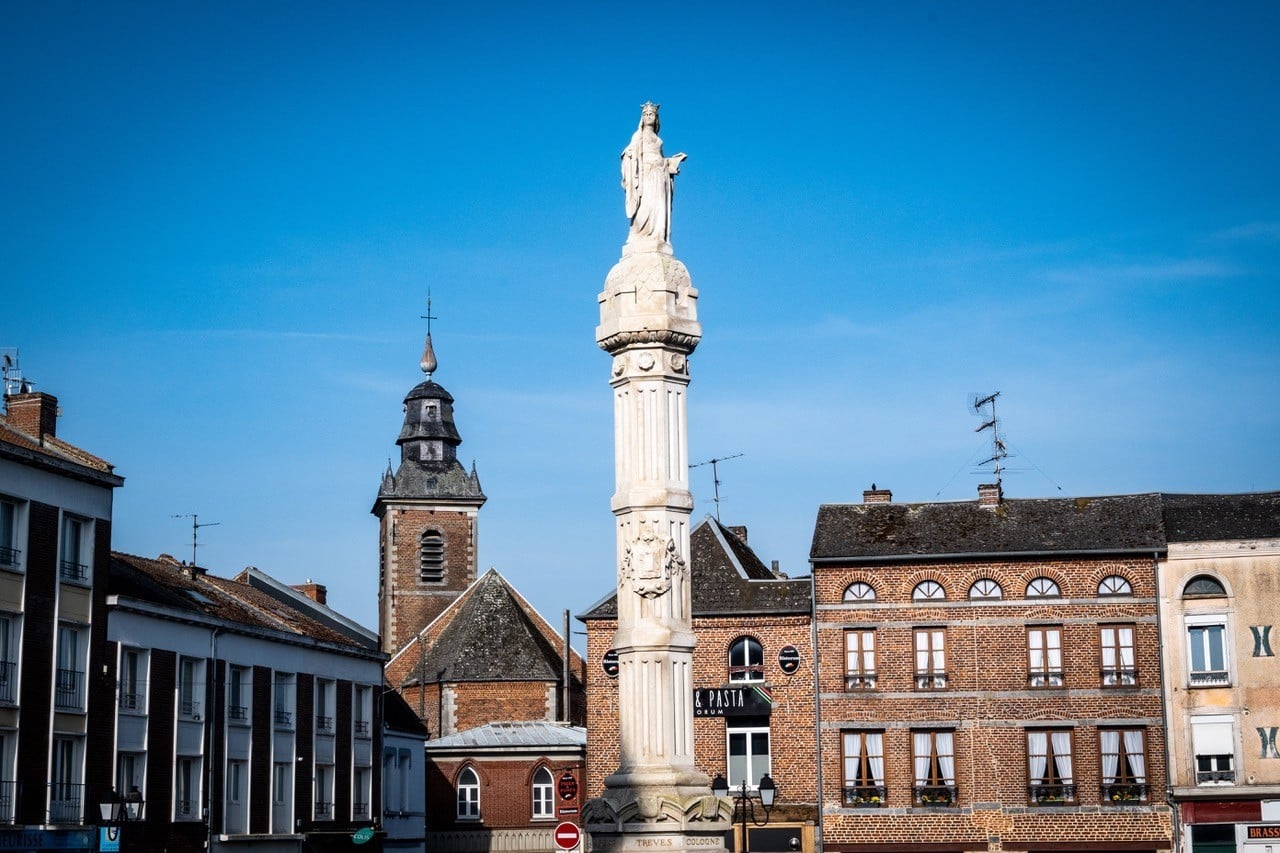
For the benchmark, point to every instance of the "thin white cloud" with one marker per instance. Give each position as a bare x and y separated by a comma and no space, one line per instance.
1249,231
1137,273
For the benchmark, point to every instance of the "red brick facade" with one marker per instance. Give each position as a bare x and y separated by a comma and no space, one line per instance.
506,786
407,602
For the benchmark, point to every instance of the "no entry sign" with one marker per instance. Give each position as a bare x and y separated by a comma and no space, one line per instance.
567,835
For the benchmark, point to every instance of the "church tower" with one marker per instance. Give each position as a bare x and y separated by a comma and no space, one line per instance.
427,511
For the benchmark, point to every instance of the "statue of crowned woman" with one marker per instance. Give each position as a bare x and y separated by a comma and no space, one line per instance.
648,179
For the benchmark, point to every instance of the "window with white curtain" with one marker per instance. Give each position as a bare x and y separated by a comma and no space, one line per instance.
1118,663
864,768
1124,765
1213,743
931,658
934,765
1049,766
1044,657
859,659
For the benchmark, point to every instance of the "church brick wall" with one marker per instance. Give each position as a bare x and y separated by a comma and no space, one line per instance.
410,604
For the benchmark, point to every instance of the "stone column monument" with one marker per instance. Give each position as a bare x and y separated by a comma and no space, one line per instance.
657,799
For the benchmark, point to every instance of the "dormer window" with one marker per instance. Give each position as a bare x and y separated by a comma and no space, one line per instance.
430,410
431,569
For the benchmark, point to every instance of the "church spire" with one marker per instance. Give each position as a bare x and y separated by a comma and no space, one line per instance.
428,363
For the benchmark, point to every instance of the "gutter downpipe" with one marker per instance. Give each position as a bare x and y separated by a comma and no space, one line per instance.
565,714
817,702
211,716
1174,809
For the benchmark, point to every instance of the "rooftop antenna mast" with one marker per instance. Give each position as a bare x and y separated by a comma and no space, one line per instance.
428,363
991,422
13,381
715,476
195,531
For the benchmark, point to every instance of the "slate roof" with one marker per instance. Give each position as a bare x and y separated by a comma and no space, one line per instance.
504,735
1211,518
52,452
492,634
727,579
166,582
399,717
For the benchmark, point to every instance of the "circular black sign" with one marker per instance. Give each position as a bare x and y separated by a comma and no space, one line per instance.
567,786
609,663
789,659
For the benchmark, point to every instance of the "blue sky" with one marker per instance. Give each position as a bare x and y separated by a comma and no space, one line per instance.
219,223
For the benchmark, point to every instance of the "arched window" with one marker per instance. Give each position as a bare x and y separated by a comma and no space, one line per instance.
859,591
431,550
543,799
1043,588
928,591
1114,585
746,660
468,795
985,588
1203,586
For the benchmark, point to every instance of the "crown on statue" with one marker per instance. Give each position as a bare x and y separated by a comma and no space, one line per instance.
649,106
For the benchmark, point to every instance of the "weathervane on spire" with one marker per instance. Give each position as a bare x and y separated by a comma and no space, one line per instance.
428,363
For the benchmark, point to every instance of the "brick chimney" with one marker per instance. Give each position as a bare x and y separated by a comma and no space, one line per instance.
34,413
990,494
877,496
317,592
738,530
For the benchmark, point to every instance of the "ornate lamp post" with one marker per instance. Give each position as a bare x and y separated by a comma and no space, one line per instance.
117,811
744,802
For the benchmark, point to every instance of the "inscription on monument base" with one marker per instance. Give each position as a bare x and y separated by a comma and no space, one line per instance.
655,843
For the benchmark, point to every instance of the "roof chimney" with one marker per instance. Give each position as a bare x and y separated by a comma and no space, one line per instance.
317,592
876,496
738,530
34,413
990,494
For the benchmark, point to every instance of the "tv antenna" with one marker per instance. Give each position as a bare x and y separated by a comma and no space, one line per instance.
13,381
715,476
195,531
990,422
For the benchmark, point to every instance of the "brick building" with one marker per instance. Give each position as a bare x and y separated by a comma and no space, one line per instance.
55,542
1219,585
246,712
989,674
753,683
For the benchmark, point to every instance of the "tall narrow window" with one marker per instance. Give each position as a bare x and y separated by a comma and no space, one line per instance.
746,660
190,687
859,659
324,792
284,700
934,766
362,707
1050,772
282,797
1044,653
748,751
931,658
9,623
360,793
8,784
74,565
237,810
133,682
1124,766
432,557
186,790
1118,661
543,794
324,705
1213,743
10,553
238,692
468,795
69,686
65,788
864,769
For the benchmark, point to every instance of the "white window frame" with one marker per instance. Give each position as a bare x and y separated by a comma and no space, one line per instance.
362,711
744,668
544,794
131,772
191,688
8,750
133,670
322,794
284,700
70,668
1115,586
239,695
326,706
75,549
929,590
361,792
1200,621
282,797
188,773
13,534
986,589
468,797
67,769
859,591
746,766
10,656
1210,731
235,816
1043,587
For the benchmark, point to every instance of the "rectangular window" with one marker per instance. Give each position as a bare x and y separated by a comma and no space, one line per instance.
360,793
237,797
864,769
859,659
324,792
130,772
1208,653
543,794
190,687
1049,767
1044,657
1213,742
325,691
748,754
1124,766
8,784
66,788
282,797
934,765
10,640
362,710
76,549
931,658
284,700
239,691
10,544
133,681
69,678
186,789
1118,662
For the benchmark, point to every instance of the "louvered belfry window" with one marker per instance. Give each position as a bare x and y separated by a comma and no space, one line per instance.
432,557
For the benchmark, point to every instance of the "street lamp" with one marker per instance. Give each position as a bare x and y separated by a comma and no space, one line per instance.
744,802
117,811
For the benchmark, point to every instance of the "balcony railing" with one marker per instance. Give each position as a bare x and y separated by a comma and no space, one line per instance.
860,681
1215,777
133,696
68,690
8,796
1123,677
184,809
238,713
65,801
1051,795
9,557
1045,678
362,728
323,810
284,718
1210,677
8,681
935,795
359,809
324,724
1124,793
71,571
931,680
865,796
189,708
